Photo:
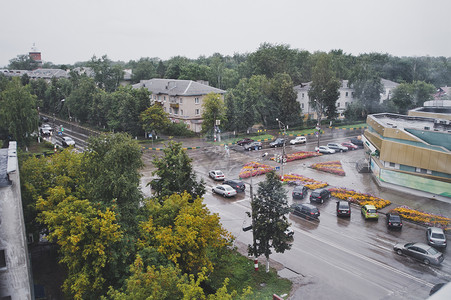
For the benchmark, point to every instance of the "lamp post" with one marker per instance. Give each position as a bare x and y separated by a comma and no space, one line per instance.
319,109
281,125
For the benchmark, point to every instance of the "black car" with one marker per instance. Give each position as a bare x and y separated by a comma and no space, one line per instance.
343,209
393,220
357,142
307,211
319,195
299,192
277,143
236,184
255,145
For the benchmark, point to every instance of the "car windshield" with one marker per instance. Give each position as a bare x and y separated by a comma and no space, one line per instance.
371,211
343,205
432,251
219,173
395,218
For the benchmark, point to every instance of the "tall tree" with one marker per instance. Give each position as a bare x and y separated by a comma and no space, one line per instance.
154,119
324,89
23,62
175,173
410,95
269,221
213,109
146,68
106,75
18,112
283,94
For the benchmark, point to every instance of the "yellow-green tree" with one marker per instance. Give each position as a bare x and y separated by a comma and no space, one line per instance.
184,232
84,234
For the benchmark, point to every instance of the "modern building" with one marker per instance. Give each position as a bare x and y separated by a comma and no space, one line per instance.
15,272
181,99
346,96
412,152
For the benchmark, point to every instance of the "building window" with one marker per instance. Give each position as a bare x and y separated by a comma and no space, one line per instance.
347,94
392,165
196,100
197,111
302,95
159,97
170,110
181,112
338,104
2,259
423,171
302,105
164,98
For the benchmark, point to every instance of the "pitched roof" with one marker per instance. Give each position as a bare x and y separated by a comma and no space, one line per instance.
175,87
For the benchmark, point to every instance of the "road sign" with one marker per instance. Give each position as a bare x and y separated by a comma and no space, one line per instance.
277,168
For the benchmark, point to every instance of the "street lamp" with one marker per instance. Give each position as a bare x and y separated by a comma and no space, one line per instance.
281,125
319,109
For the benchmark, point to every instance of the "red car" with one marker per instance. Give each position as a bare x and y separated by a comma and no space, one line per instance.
350,146
244,141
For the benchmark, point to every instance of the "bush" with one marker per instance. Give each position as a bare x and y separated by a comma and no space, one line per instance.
179,129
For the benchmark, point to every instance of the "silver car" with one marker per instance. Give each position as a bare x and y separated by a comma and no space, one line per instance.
224,190
422,252
436,237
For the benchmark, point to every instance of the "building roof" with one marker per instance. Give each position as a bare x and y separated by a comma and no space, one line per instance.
175,87
38,73
4,181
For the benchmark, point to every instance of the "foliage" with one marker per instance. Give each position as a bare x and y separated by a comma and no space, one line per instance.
333,167
18,114
269,221
175,173
324,88
84,234
154,119
411,95
23,62
82,101
283,94
184,231
212,109
144,69
106,75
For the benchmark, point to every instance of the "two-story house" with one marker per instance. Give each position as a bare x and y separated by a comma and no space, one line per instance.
181,99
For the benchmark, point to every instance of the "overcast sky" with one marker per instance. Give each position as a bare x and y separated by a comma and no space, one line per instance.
70,31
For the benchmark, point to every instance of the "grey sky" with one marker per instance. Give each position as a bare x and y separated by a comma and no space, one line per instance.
70,31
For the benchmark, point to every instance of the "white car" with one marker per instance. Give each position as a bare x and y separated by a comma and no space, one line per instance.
67,141
216,175
324,149
298,140
337,147
224,190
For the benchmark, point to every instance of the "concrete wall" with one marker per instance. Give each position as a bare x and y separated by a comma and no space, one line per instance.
15,279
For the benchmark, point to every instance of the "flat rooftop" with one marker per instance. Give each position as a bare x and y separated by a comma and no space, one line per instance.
412,122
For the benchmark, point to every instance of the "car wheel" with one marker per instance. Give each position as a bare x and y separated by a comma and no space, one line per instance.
322,201
224,195
259,148
399,252
426,261
249,149
213,191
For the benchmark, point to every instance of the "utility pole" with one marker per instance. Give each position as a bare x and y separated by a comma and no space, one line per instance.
283,161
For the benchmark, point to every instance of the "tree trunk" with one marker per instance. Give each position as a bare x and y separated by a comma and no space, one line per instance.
267,263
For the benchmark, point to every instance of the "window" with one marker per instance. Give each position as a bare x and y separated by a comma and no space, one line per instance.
159,97
346,94
170,110
423,171
181,112
2,259
392,164
197,112
164,98
302,105
338,104
302,95
196,100
181,100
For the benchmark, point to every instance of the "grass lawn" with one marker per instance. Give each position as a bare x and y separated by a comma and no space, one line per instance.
240,271
301,132
360,125
236,139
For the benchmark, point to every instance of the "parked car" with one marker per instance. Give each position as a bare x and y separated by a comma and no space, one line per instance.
324,149
422,252
236,184
299,192
343,209
356,141
307,211
337,147
298,140
277,143
253,146
244,141
216,175
46,130
370,212
436,237
393,220
289,232
224,190
67,141
319,195
350,146
44,119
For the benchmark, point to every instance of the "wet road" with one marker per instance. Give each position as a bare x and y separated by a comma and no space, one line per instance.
334,258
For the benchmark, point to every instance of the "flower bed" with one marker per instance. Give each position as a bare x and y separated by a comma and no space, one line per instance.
333,167
300,155
424,218
308,182
359,198
254,169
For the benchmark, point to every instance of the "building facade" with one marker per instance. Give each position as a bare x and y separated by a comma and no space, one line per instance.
411,152
181,99
346,96
15,272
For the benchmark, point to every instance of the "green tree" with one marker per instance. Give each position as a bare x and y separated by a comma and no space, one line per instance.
283,94
146,68
212,109
18,113
154,119
107,75
324,89
269,221
22,62
175,173
410,95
